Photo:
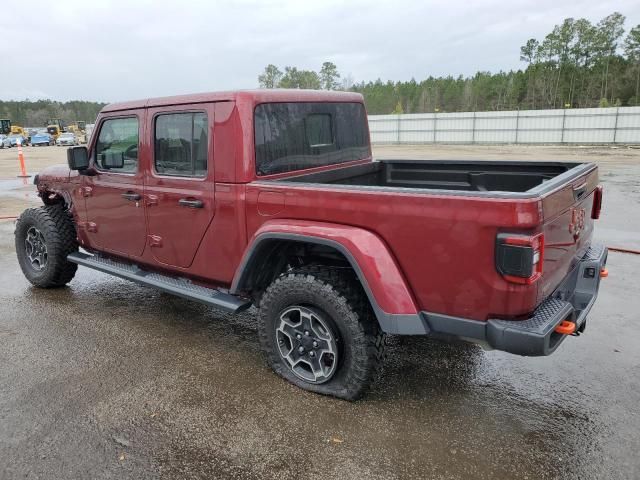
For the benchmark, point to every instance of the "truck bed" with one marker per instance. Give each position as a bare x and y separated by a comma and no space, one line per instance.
463,176
444,216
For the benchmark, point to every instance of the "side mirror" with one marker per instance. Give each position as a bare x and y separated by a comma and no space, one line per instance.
112,160
78,158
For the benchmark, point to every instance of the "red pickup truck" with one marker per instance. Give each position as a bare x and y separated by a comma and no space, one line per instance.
272,198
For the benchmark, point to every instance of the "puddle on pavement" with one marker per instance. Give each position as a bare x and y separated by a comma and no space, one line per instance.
19,188
17,194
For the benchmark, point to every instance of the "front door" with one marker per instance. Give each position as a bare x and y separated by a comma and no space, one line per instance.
113,196
179,184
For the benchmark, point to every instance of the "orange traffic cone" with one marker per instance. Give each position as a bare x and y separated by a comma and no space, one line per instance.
23,170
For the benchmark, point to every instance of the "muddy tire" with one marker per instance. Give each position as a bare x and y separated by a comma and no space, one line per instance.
318,331
44,237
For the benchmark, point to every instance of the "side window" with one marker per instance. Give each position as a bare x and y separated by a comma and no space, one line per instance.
181,144
117,144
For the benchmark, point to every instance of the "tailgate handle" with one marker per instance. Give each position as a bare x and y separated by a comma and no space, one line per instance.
579,191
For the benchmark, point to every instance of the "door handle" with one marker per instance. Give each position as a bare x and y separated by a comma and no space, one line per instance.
131,196
185,202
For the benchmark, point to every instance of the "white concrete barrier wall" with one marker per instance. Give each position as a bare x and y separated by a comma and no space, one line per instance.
574,126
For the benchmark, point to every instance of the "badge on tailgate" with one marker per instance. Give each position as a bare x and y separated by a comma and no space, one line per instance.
577,222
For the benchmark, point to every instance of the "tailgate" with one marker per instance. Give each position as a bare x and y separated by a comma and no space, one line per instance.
568,228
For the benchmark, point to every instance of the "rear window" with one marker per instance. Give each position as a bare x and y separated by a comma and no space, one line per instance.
295,136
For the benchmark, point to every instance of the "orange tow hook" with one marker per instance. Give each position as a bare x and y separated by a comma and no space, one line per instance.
604,272
566,327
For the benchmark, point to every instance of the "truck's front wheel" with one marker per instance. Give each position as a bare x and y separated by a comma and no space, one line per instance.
44,237
318,331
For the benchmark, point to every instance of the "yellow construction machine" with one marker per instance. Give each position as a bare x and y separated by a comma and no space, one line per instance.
79,129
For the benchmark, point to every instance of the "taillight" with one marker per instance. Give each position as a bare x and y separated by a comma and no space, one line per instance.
597,202
519,258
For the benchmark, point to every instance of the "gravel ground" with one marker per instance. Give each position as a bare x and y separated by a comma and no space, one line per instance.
108,379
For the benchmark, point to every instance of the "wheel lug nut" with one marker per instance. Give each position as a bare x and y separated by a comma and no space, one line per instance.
315,344
312,354
301,349
306,332
298,336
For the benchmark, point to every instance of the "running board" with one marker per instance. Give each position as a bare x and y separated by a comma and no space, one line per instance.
178,286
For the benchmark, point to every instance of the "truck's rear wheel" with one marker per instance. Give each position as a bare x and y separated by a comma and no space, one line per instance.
318,331
44,237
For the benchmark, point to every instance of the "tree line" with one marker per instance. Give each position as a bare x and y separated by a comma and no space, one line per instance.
36,113
577,64
326,79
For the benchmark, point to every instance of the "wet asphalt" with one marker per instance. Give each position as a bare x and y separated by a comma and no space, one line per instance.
108,379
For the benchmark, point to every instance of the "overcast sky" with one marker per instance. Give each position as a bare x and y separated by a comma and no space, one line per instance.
112,50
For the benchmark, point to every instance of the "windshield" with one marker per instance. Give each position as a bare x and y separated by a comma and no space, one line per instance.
295,136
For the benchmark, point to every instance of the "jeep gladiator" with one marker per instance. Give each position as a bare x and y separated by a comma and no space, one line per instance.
272,198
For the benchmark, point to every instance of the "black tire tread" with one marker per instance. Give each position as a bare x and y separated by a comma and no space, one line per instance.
341,287
56,224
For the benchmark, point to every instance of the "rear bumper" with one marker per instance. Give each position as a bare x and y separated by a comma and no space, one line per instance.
534,336
571,301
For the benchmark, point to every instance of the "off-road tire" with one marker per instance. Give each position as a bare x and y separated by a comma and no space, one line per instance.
56,225
338,295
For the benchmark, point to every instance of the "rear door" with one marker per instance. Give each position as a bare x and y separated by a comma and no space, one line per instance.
113,196
179,186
